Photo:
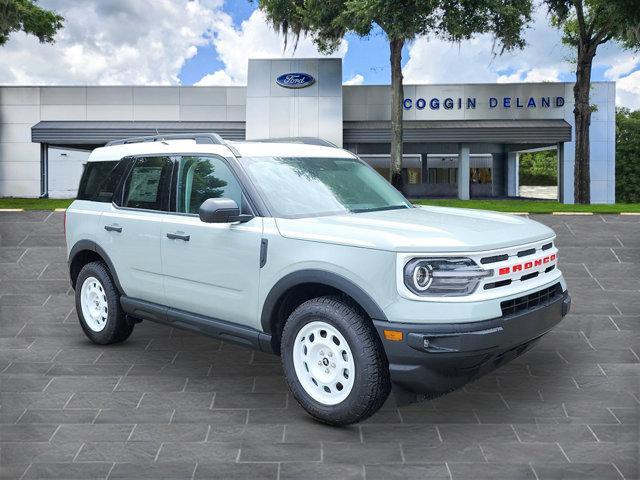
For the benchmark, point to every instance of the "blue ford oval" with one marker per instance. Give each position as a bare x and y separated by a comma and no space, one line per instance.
295,80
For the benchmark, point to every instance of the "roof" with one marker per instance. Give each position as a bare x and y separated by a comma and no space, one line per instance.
190,146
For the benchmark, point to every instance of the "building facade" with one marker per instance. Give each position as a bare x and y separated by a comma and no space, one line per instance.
459,140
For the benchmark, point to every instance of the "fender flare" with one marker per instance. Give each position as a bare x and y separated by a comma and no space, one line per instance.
323,277
83,245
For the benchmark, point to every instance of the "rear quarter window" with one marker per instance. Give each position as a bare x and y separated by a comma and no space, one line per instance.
100,180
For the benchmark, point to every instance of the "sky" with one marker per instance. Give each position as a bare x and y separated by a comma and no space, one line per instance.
208,42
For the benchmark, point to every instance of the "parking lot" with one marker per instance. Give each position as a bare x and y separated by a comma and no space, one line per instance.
170,404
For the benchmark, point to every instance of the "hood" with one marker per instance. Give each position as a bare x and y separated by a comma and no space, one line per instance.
421,229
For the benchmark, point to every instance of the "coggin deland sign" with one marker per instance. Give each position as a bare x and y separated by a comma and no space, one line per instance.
469,103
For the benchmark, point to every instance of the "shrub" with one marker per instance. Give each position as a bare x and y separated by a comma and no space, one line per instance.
539,168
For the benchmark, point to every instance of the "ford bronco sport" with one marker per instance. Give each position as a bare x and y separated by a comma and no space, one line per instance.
303,250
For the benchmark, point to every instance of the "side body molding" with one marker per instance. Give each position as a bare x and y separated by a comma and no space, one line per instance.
82,245
322,277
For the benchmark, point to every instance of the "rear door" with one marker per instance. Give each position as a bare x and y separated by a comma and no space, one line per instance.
131,228
210,269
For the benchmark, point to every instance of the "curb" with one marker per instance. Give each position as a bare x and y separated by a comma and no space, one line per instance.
571,213
11,209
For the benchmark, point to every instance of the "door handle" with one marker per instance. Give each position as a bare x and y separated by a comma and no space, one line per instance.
113,228
178,236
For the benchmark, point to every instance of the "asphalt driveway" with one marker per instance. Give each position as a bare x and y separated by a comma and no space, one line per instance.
170,404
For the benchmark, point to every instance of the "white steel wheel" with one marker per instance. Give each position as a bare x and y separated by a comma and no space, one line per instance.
323,363
93,300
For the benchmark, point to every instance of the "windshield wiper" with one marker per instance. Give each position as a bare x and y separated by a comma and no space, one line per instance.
379,209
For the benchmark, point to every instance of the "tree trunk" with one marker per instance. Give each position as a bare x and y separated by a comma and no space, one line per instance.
582,115
397,98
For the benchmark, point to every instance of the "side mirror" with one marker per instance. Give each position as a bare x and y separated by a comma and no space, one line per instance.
221,210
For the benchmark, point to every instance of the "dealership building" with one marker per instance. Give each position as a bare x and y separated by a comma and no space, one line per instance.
460,140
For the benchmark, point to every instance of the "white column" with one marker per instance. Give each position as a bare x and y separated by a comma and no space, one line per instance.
513,163
463,171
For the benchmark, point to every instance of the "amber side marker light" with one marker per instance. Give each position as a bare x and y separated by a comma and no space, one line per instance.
393,335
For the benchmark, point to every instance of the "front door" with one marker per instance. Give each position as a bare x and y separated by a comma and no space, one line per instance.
210,269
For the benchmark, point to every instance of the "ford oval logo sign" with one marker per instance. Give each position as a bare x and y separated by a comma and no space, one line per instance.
295,80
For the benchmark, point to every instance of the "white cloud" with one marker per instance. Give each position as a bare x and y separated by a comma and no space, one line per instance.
114,42
628,91
357,79
622,65
436,61
253,39
217,78
531,75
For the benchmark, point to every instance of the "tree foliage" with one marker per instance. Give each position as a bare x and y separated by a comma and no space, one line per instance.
27,16
539,168
627,156
587,24
328,21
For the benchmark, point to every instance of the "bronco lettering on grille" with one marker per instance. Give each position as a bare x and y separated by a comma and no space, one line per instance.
519,267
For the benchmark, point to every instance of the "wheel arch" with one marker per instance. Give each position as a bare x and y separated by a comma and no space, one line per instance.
297,287
86,251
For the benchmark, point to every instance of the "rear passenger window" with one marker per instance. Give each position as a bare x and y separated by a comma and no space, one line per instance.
100,180
148,184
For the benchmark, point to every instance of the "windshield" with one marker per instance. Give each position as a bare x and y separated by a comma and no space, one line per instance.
304,187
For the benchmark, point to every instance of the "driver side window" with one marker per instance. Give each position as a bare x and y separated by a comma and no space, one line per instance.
200,178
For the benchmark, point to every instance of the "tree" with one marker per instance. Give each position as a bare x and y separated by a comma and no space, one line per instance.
587,24
327,21
28,17
627,156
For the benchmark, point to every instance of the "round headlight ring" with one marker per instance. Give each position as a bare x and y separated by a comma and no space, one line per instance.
422,276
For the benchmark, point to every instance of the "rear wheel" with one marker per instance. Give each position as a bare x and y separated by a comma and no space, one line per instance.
98,306
334,361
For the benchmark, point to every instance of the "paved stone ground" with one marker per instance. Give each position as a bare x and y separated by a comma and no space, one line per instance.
169,404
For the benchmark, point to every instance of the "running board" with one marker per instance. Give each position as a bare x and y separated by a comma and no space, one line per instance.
204,325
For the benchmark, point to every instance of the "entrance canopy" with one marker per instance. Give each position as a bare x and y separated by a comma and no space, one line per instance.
462,131
98,133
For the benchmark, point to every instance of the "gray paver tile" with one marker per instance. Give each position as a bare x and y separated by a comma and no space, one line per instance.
490,471
230,471
576,471
320,471
280,452
198,452
84,471
168,470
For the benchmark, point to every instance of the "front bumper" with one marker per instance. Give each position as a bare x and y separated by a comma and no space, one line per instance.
437,358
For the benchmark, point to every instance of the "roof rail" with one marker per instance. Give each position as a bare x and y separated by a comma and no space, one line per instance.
303,140
205,138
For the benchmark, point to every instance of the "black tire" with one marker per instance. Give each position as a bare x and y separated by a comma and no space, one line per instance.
117,328
372,382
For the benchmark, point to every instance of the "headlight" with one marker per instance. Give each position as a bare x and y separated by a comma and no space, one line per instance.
443,277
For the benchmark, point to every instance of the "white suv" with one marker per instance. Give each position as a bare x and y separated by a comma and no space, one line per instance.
303,250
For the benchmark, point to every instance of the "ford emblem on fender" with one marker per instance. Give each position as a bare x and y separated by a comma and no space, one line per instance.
295,80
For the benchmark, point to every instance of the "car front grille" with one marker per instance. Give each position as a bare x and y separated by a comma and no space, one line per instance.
527,302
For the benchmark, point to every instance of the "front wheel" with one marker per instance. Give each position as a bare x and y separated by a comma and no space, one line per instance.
334,361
